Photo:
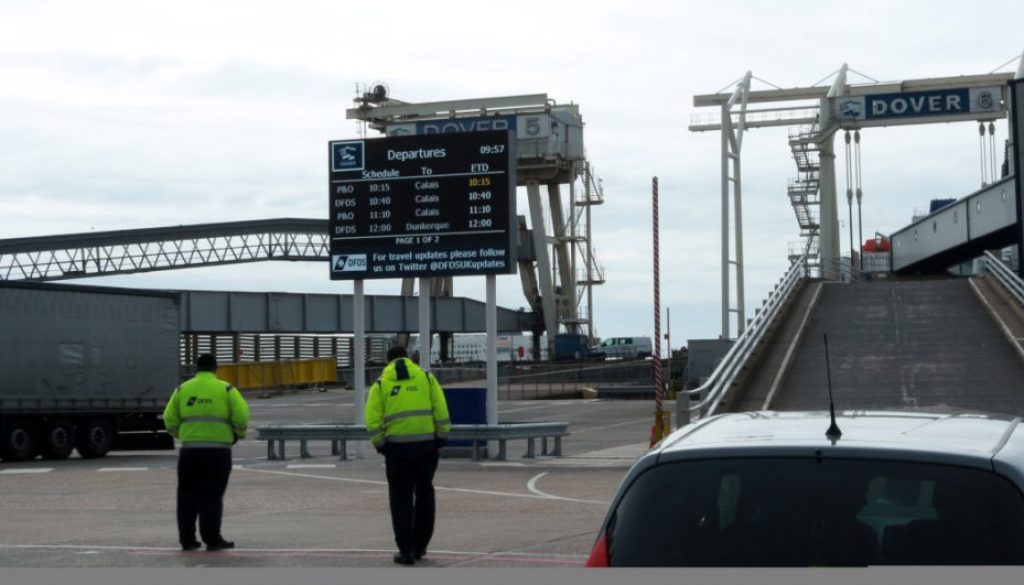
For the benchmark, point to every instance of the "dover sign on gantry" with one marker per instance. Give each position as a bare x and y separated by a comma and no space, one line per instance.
412,206
917,104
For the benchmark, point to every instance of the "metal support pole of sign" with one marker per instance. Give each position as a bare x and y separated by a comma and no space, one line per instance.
359,359
726,129
737,192
1017,164
860,195
491,319
849,194
424,307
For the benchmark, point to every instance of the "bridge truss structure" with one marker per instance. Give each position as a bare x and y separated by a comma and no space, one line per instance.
62,257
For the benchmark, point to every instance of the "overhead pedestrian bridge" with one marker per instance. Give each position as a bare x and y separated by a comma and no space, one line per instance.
958,232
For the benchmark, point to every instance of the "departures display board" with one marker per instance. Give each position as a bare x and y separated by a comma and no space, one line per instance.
422,206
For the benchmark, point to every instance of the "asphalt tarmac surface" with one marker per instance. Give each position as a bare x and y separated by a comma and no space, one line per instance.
119,511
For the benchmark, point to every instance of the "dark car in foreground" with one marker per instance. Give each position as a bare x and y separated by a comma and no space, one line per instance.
771,489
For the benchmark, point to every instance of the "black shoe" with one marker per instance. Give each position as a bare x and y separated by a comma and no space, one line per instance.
403,559
418,555
221,545
191,546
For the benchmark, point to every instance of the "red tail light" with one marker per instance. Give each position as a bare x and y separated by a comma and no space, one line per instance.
599,556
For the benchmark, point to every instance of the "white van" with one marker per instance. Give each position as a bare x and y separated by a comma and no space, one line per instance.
624,347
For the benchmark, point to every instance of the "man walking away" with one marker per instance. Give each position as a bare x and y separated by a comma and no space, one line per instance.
208,416
407,419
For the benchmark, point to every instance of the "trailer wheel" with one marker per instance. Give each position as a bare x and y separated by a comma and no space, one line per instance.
58,439
18,442
95,438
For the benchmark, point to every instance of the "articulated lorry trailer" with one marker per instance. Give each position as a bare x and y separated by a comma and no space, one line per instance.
85,368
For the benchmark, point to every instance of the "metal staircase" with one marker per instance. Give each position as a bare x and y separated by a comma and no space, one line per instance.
586,191
804,190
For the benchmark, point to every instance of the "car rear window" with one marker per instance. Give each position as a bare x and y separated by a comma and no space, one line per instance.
816,512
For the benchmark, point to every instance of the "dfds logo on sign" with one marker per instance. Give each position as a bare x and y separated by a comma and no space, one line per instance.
347,156
348,263
852,108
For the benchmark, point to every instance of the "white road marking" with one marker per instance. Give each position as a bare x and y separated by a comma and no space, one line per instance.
26,471
502,464
523,409
109,469
618,424
85,547
311,466
94,549
621,456
436,488
532,486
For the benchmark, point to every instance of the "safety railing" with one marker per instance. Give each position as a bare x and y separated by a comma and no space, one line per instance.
765,116
1008,278
838,269
714,390
477,435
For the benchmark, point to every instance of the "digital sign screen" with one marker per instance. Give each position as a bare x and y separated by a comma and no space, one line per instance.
422,206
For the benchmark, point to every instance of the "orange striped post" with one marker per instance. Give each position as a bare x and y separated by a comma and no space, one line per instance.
661,423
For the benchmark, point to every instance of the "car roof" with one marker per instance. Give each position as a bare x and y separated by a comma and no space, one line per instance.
903,435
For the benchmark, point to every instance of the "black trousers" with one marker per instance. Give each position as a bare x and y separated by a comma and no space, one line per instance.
202,480
411,495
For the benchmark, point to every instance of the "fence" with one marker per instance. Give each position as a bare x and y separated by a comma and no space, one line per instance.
567,380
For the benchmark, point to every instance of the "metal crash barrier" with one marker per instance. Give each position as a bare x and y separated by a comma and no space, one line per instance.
339,435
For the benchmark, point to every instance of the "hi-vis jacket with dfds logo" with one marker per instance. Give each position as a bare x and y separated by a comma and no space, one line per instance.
206,412
406,406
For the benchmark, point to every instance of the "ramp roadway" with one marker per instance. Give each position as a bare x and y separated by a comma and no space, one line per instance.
905,344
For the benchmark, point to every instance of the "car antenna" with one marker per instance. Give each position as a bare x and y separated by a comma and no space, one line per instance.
833,431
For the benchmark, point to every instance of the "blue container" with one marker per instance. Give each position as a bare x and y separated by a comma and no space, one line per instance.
570,346
466,406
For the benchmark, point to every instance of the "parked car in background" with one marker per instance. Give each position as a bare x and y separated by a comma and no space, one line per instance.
623,347
771,489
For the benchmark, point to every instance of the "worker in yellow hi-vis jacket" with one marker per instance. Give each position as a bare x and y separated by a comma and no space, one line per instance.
407,419
208,416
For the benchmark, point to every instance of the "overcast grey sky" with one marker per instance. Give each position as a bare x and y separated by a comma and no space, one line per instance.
118,115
